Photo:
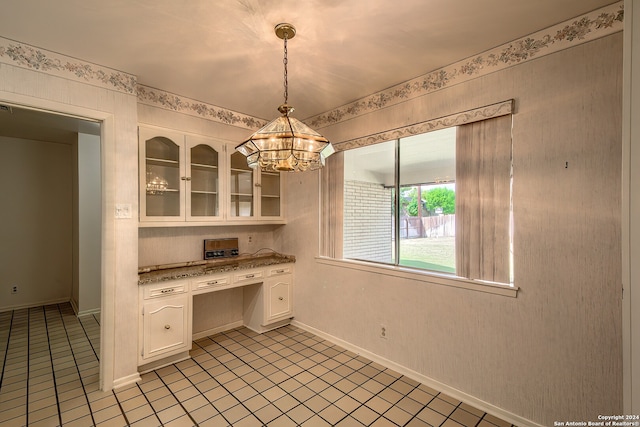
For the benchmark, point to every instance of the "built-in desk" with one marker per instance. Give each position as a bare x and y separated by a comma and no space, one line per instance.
166,299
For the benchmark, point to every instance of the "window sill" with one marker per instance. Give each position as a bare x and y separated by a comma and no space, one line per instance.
423,276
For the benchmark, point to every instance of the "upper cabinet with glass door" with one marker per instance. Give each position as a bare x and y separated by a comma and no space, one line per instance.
193,180
180,178
254,195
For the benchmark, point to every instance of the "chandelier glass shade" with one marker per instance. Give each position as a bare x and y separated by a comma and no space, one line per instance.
285,143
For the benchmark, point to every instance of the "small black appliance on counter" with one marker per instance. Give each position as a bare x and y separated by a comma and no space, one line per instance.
220,248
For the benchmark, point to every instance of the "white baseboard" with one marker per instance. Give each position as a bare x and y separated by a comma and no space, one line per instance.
218,329
152,366
74,305
455,393
88,312
34,304
125,381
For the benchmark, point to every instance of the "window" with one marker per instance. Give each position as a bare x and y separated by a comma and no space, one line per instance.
438,201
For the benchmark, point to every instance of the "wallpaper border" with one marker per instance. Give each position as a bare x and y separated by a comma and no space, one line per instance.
599,23
593,25
487,112
26,56
169,101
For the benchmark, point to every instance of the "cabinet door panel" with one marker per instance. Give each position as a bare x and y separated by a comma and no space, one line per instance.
204,162
165,326
279,294
241,187
161,173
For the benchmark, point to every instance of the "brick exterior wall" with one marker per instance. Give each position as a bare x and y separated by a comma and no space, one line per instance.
367,221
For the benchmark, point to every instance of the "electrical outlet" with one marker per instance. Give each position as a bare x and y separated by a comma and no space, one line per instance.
14,289
383,332
250,239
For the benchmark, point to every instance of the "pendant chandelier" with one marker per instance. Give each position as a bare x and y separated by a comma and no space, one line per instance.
286,144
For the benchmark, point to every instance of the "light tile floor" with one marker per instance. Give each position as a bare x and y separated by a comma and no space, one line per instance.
286,377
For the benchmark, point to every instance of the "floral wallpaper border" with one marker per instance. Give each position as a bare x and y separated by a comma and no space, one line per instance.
596,24
482,113
170,101
599,23
26,56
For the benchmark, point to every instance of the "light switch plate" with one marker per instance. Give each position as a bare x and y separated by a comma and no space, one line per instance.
123,210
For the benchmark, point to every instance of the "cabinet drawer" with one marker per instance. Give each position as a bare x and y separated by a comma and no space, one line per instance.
164,289
249,276
277,270
209,283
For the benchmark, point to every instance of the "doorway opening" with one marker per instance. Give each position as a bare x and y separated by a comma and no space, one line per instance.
51,223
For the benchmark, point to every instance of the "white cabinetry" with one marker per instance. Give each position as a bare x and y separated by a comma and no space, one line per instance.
279,294
165,326
166,323
192,180
254,195
181,177
271,303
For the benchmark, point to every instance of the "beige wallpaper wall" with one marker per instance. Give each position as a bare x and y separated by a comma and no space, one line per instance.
37,190
555,351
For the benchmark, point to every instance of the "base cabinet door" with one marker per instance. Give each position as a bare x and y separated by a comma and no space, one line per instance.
278,297
165,327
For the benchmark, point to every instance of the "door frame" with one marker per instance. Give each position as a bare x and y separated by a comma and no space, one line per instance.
108,256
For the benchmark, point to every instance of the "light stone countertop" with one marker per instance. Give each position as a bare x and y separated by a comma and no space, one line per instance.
185,270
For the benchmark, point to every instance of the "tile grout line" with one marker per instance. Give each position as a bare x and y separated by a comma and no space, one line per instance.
84,390
245,363
53,370
149,403
89,340
310,373
369,362
6,354
126,420
178,400
29,367
220,384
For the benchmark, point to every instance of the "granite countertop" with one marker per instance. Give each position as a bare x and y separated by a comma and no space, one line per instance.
185,270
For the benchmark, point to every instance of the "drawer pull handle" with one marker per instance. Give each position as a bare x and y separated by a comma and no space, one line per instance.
250,276
166,291
279,271
215,282
280,298
167,327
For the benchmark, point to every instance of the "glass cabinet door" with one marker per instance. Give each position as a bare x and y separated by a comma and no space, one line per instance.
162,189
205,181
270,195
241,187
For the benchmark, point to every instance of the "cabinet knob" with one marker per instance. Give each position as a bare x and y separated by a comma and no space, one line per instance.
280,298
167,326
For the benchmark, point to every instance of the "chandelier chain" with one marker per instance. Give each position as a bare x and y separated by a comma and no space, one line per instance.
285,62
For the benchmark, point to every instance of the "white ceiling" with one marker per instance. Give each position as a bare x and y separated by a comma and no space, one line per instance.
225,53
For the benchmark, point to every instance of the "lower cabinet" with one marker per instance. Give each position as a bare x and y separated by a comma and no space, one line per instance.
165,322
165,327
270,304
278,300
